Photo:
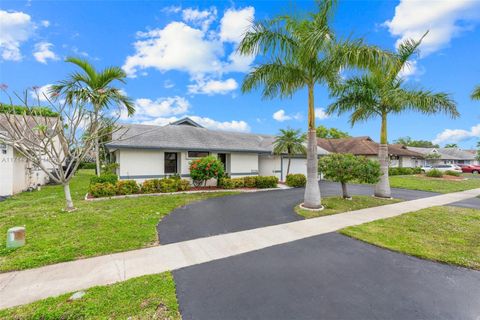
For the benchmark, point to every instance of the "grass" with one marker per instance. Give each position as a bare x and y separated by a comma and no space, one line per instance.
334,205
147,297
445,234
95,228
433,185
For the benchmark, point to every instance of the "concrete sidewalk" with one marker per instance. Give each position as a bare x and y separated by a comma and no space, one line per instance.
26,286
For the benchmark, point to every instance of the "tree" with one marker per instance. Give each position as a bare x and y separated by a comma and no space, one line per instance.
289,141
477,157
476,93
409,142
56,144
345,167
95,88
302,53
382,92
451,145
204,169
331,133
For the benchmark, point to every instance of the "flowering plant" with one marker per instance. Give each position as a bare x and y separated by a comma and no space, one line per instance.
204,169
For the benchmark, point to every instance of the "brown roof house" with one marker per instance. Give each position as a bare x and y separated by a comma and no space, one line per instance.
400,156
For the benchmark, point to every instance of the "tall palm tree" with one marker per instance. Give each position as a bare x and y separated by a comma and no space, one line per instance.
476,93
289,141
382,92
94,87
301,53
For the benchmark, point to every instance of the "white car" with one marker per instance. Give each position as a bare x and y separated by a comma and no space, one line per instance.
443,168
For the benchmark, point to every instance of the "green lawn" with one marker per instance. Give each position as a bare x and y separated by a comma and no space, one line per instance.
434,185
334,205
447,234
147,297
96,228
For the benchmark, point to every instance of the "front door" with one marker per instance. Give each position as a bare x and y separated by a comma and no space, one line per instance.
170,163
223,157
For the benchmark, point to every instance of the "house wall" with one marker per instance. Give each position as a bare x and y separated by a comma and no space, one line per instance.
140,164
6,171
269,165
297,165
243,164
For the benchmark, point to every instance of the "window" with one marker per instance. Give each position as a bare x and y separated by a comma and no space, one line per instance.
170,162
198,154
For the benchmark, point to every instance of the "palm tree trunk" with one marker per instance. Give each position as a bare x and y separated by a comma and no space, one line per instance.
288,166
97,156
312,198
382,188
68,197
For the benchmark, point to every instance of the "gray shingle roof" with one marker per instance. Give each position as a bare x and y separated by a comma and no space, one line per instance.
179,136
446,153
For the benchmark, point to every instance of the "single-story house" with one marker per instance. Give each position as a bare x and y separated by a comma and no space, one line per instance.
435,156
400,156
149,151
18,174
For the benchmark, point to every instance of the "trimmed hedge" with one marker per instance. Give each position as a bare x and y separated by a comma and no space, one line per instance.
296,180
172,184
104,178
124,187
434,173
259,182
87,165
452,173
404,171
103,189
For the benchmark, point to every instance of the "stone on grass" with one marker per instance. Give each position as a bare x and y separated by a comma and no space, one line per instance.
77,295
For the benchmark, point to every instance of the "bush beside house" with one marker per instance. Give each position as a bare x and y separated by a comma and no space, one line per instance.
434,173
204,169
296,180
260,182
404,171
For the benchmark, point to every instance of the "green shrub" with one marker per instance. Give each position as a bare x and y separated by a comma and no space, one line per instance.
250,181
400,171
104,189
452,173
417,170
150,186
168,185
183,184
267,182
296,180
87,165
127,187
206,168
434,173
238,182
109,168
226,183
104,178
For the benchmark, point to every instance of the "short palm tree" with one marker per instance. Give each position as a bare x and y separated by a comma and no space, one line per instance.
291,142
301,53
382,92
476,93
94,87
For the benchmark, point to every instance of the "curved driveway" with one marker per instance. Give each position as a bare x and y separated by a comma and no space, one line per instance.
254,210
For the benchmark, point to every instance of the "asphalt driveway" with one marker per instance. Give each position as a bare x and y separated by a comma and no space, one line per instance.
329,276
254,210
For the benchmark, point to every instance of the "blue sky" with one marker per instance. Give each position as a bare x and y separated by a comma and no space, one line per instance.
180,57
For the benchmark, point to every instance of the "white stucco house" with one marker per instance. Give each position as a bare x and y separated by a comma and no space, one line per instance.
434,156
18,174
148,151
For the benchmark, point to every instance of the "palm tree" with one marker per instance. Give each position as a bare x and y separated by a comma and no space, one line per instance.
301,53
381,92
94,87
289,141
476,93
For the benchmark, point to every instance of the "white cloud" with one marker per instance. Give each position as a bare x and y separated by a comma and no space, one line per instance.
45,23
281,116
211,87
457,135
234,125
167,84
201,18
235,23
16,28
175,47
172,9
43,53
41,93
445,19
161,107
321,114
193,46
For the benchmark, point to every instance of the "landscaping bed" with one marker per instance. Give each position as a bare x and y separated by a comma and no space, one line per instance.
95,228
444,234
334,205
147,297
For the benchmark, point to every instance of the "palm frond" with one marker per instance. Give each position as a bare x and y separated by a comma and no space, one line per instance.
84,65
423,101
476,93
110,74
405,51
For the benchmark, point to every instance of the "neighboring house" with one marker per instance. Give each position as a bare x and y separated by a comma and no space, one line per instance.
435,156
400,156
147,151
18,174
